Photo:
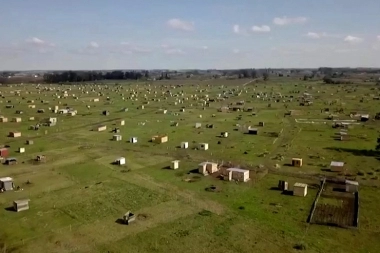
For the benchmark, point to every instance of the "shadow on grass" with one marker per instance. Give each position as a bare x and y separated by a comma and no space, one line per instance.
166,168
274,188
357,152
120,221
287,193
193,171
10,209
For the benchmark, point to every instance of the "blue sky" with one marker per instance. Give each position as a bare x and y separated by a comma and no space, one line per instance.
125,34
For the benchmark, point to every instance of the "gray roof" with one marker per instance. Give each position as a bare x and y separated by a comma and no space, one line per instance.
237,170
337,164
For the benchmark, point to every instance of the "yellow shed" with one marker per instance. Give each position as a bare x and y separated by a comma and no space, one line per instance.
297,162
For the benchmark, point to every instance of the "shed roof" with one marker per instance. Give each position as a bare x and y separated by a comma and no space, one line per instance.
6,179
21,201
337,164
237,170
352,182
300,185
205,163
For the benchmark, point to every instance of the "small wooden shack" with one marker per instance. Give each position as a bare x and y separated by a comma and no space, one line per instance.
337,166
14,134
128,218
21,150
120,161
297,162
11,161
203,146
41,158
160,139
206,168
101,128
21,205
133,140
184,145
253,131
3,119
300,189
117,137
6,184
282,185
237,174
224,134
4,152
352,186
16,119
174,165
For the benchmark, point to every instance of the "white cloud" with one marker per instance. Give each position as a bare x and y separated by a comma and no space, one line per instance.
378,37
93,44
352,39
344,50
235,51
179,24
288,21
205,47
175,51
140,50
238,30
129,48
263,28
313,35
38,42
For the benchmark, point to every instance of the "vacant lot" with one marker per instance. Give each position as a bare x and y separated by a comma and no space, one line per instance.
77,196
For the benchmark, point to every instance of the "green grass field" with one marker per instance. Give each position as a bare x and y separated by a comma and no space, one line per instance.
77,195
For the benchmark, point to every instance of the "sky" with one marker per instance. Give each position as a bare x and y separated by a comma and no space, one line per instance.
178,34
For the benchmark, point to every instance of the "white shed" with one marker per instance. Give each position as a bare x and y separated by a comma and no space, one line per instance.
21,150
352,186
238,174
336,166
117,137
133,140
300,189
203,146
175,165
184,145
120,161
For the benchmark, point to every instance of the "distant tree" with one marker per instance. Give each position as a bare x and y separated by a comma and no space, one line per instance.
265,76
327,79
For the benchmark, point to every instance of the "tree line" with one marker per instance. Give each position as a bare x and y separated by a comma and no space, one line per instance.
88,76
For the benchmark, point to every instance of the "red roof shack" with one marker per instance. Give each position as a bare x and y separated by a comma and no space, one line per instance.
4,152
